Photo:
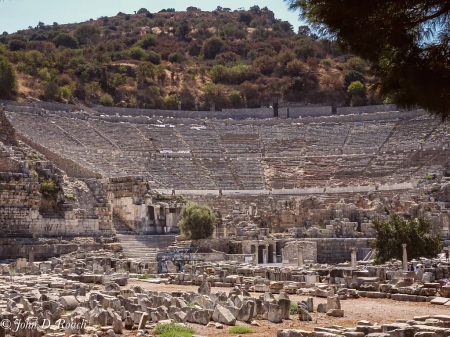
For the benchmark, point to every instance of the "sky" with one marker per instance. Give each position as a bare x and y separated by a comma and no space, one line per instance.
19,14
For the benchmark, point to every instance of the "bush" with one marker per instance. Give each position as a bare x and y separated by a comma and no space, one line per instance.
240,330
172,102
197,221
176,57
212,47
295,68
7,76
85,31
356,89
245,18
66,40
48,187
148,40
265,64
173,330
52,91
327,63
106,100
305,51
415,233
357,64
138,53
17,44
235,99
353,76
154,58
2,49
294,308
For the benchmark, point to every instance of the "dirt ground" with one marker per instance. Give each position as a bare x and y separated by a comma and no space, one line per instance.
374,310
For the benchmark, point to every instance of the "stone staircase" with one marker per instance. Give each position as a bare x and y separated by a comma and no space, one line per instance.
120,226
144,246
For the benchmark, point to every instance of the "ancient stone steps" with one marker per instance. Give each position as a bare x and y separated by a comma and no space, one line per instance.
135,246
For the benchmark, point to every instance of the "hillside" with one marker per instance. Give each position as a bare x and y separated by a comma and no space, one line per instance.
198,59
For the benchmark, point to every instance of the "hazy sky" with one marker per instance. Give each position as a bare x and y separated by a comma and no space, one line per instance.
19,14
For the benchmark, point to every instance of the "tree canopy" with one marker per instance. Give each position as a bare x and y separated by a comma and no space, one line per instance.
407,43
416,233
198,221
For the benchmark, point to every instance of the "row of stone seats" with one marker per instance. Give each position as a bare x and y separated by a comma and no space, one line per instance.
250,172
367,137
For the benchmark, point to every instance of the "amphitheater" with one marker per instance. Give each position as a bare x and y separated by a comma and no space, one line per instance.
130,171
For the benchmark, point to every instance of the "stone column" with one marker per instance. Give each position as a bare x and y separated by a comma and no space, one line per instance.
31,256
257,253
266,254
354,263
405,258
274,254
300,256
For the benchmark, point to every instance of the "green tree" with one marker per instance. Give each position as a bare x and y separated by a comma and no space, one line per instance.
172,102
106,100
212,47
353,76
197,221
406,43
66,40
235,99
148,40
356,88
7,76
85,32
52,91
415,233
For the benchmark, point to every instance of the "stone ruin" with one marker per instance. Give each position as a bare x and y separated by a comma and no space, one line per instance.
90,200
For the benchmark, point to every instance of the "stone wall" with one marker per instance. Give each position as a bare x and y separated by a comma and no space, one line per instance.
366,109
221,245
337,250
290,252
43,252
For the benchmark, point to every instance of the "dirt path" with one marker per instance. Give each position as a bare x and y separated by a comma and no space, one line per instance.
374,310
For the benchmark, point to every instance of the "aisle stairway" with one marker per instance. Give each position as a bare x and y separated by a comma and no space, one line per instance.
144,246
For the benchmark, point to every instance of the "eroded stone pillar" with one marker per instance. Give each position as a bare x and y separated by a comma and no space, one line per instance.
405,258
354,263
300,256
266,254
274,253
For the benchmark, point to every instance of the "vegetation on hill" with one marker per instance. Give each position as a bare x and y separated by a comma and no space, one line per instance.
416,233
196,59
407,43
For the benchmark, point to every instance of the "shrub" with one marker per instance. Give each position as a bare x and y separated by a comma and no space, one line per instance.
116,80
70,197
66,91
415,233
245,18
295,67
212,47
52,90
429,177
353,76
144,277
197,221
235,99
194,49
172,102
294,308
85,32
7,76
176,57
154,58
173,330
148,40
357,64
44,75
138,53
48,187
240,330
304,51
106,100
66,40
2,48
17,44
356,89
190,304
327,63
265,64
